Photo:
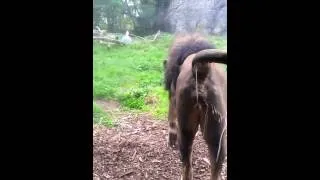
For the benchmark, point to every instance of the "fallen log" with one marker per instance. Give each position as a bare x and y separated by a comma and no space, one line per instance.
107,40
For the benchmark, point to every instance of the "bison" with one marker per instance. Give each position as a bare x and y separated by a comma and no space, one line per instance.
197,85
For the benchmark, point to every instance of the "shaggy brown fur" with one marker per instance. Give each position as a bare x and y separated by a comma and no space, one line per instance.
197,94
183,46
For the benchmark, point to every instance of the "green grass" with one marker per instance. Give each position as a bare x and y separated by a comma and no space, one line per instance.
101,117
133,74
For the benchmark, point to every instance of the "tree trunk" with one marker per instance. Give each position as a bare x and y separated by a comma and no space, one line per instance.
161,11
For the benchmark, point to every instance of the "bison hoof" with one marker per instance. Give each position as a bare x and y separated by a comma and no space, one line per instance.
173,140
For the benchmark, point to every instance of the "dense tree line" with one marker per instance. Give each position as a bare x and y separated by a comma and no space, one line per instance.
139,16
144,17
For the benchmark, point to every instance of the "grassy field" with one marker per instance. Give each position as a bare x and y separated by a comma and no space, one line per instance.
133,75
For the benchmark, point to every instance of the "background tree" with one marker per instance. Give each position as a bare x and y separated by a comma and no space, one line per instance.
144,17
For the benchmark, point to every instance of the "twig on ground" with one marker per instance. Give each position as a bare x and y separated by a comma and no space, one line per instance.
126,173
134,155
207,161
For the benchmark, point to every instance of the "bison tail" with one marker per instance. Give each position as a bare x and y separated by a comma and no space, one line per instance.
200,63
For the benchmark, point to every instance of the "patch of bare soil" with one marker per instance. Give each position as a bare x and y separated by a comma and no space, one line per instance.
108,105
137,149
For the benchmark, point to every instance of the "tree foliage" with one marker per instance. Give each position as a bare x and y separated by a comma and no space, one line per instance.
145,17
140,16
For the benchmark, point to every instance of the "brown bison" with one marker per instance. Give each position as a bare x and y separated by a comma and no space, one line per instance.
197,84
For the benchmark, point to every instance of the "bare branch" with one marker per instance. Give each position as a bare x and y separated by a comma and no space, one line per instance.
107,39
155,37
137,36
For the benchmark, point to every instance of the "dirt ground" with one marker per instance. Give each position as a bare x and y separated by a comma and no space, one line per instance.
136,148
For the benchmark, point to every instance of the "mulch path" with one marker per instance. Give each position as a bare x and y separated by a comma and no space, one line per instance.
136,148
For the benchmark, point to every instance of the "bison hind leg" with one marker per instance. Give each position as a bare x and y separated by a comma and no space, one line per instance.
214,134
188,127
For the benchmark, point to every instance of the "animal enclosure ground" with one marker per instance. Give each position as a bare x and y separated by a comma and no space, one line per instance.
136,148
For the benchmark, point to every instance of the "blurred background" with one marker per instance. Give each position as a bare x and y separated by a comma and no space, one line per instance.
145,17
